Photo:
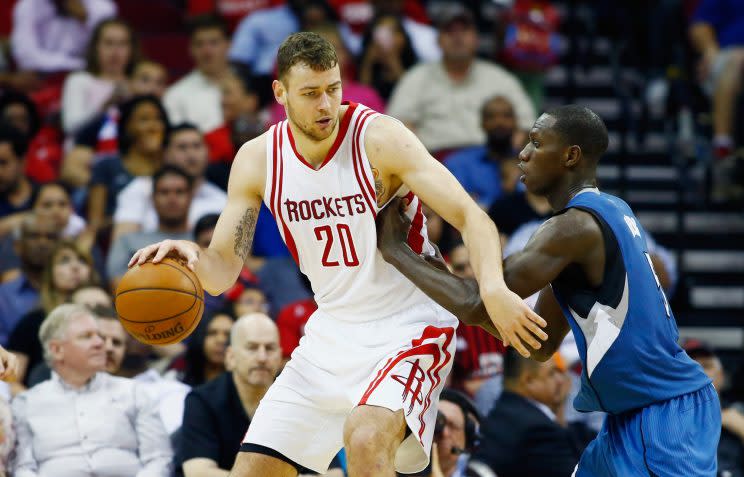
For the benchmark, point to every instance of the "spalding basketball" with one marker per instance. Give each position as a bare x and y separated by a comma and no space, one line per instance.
160,303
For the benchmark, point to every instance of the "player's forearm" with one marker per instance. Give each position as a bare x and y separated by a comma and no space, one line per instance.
481,238
216,273
456,295
703,38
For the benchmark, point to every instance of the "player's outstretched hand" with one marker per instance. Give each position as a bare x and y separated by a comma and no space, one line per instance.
392,227
189,251
518,324
8,365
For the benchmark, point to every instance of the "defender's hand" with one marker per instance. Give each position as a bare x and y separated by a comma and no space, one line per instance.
189,251
516,322
392,227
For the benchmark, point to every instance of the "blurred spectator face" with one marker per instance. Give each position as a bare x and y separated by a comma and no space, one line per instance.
218,336
209,48
38,239
81,347
712,367
255,355
18,116
54,205
187,150
115,342
453,434
91,297
172,198
69,270
545,385
313,99
205,237
146,128
460,262
114,49
459,41
251,300
388,35
236,101
148,78
11,168
499,124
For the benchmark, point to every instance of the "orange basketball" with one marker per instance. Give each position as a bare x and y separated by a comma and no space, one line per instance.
160,303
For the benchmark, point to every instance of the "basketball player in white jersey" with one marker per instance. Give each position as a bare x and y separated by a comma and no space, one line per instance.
375,355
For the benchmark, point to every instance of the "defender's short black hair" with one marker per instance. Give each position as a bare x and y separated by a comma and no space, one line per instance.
579,125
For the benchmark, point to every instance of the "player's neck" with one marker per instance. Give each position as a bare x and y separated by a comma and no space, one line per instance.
314,152
563,194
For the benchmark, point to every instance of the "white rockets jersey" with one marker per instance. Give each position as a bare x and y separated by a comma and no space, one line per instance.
327,219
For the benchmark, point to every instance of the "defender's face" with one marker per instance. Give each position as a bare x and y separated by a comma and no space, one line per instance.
541,159
312,99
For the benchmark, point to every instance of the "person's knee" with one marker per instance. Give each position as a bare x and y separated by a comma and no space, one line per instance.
372,431
248,464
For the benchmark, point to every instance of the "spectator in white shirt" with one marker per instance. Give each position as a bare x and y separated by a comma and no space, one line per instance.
111,56
84,421
51,35
184,148
196,97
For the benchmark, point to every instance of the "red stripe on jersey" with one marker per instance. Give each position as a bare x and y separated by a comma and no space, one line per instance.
345,120
418,348
357,160
274,175
287,234
415,237
358,147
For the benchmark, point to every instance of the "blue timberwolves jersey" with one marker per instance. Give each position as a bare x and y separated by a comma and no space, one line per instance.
625,331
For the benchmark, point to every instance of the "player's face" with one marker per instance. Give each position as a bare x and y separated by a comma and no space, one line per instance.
218,335
453,434
81,347
115,341
312,99
541,159
256,354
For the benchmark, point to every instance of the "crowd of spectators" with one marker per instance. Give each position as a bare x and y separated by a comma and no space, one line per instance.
104,150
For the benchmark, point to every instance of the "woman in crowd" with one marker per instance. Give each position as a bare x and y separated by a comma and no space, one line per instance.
69,267
143,126
204,358
112,54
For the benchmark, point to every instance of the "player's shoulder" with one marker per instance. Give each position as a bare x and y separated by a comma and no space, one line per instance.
571,226
386,131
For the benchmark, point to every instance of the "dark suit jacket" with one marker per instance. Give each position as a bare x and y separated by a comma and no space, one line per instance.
519,440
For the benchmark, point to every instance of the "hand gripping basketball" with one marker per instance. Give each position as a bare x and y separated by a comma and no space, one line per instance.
183,249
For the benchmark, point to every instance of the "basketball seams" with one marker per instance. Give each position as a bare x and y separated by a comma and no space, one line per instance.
196,300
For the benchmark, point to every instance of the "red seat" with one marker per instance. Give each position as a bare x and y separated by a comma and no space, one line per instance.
169,49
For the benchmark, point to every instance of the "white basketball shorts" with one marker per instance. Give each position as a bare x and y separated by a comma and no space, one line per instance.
398,362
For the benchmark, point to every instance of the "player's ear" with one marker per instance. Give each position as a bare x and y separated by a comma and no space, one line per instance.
279,92
573,156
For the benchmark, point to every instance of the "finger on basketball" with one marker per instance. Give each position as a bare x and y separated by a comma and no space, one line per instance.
145,253
162,252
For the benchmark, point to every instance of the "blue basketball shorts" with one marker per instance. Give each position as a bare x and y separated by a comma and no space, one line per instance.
674,438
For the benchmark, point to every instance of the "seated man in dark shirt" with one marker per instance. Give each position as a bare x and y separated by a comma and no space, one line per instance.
218,413
521,437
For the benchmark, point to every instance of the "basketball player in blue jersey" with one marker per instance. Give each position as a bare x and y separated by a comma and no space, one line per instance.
595,277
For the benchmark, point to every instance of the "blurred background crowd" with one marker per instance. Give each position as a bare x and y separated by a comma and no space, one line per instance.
118,123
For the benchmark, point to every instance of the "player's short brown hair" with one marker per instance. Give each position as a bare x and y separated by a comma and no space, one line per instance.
305,47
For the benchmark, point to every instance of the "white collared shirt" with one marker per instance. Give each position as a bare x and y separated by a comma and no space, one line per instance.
107,428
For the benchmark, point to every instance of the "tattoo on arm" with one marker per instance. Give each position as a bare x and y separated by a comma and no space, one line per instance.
244,233
379,187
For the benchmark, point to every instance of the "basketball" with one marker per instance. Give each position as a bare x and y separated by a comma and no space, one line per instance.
161,303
